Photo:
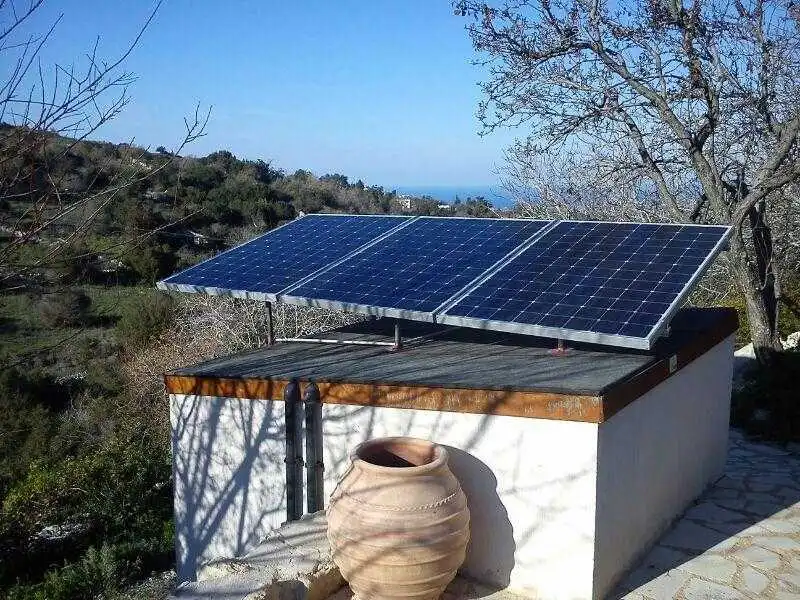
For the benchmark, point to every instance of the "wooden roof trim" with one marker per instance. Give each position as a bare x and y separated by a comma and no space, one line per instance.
623,393
513,403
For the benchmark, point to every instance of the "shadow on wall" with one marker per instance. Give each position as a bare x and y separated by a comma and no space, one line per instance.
728,509
229,472
222,449
491,534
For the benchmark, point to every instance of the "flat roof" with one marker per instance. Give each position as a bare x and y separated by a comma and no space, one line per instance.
461,369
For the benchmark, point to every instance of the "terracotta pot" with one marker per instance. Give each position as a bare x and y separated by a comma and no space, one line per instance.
398,521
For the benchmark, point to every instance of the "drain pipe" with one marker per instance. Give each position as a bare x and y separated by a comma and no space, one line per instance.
315,490
294,451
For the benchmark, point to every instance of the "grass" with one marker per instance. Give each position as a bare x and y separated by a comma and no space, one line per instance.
22,333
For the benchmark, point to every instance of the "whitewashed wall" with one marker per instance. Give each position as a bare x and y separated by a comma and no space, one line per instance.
530,486
230,483
656,456
559,509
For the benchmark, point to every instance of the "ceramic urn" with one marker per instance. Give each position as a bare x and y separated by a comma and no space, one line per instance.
398,521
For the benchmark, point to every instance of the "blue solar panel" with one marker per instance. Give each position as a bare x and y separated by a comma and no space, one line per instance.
593,282
282,257
612,283
420,266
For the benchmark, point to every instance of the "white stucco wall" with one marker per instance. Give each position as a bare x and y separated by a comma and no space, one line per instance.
559,509
530,486
230,482
656,456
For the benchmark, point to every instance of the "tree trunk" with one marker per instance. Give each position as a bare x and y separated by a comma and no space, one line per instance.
759,291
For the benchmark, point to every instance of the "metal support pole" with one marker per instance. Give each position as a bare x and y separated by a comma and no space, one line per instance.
398,340
270,327
315,490
561,348
294,451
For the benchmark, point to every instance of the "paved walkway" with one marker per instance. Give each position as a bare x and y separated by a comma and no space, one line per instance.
740,541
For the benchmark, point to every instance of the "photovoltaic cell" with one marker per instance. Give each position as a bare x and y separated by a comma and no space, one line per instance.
420,266
282,257
607,279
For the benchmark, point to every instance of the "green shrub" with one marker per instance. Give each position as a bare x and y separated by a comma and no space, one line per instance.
29,406
98,571
145,320
119,496
151,262
69,308
77,263
768,404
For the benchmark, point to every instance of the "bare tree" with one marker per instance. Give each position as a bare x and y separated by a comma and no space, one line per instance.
693,107
205,327
39,104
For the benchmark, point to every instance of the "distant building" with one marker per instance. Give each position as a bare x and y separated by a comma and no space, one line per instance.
407,202
199,238
156,195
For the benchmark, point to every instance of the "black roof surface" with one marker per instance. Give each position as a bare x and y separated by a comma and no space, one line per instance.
456,358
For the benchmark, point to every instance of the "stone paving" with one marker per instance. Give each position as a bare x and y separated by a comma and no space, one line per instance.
741,540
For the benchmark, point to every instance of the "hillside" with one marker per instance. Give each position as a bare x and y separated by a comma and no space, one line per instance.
174,209
86,228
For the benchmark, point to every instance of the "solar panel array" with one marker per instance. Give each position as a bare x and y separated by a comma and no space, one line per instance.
421,266
611,283
611,279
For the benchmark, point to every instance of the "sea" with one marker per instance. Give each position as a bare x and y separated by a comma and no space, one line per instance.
447,194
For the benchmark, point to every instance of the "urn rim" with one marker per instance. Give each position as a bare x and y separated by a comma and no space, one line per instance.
434,455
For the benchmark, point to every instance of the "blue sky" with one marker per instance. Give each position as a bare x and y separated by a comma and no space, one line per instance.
381,90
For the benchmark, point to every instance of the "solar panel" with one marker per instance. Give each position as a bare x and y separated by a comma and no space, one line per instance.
609,283
412,272
613,283
263,267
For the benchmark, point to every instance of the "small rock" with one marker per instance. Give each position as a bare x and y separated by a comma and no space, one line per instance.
792,341
59,533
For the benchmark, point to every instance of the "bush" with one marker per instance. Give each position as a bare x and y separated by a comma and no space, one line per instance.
29,406
98,571
144,321
69,308
767,405
119,496
78,264
151,262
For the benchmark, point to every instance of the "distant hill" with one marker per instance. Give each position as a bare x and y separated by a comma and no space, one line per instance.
196,204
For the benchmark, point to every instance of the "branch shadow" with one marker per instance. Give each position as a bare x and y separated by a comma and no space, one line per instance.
223,504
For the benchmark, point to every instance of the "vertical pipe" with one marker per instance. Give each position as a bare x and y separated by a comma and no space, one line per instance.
270,326
315,490
398,340
298,455
294,451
